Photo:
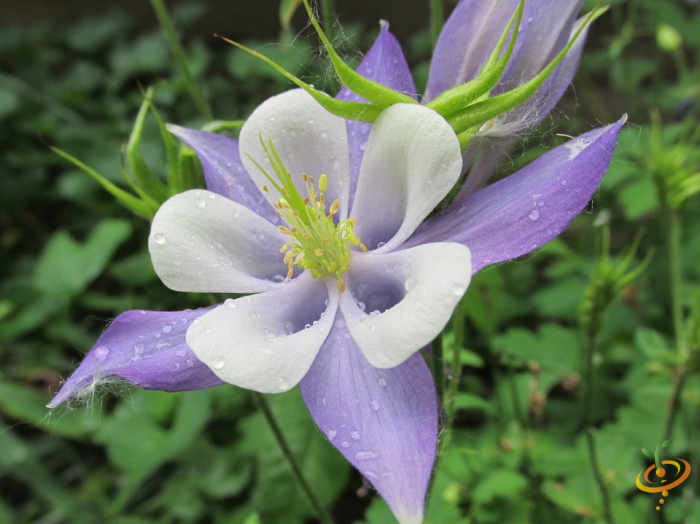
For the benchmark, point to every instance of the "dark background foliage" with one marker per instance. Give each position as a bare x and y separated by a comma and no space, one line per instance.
72,259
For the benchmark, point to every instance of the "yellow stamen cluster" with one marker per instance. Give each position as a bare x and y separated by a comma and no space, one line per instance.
316,243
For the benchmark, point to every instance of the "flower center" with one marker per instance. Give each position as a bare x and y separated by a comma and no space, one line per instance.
316,242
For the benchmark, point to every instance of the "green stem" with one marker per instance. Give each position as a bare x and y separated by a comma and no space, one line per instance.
316,506
437,18
456,369
676,275
195,91
439,368
328,15
674,236
588,411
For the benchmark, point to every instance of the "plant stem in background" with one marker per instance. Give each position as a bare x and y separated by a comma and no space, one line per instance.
437,19
318,509
675,273
588,431
328,15
193,87
458,343
438,368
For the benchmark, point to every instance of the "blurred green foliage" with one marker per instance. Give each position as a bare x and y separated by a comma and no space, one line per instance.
72,259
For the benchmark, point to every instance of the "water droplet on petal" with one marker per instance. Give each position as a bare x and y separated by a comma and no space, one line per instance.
534,215
381,244
159,238
167,328
219,362
229,303
366,455
289,328
375,405
381,382
101,352
410,283
458,290
181,352
278,279
199,202
283,386
355,435
331,434
345,444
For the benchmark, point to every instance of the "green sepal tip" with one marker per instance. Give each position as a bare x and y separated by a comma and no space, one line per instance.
484,110
342,108
460,96
373,91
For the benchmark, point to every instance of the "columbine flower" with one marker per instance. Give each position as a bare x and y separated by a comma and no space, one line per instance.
347,324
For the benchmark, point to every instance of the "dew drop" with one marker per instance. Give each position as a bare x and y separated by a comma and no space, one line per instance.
340,323
283,386
381,382
331,434
181,352
159,238
219,362
458,290
345,444
361,305
410,283
347,335
229,303
138,351
278,279
355,435
101,352
381,244
199,202
289,328
270,337
167,328
534,215
374,404
366,455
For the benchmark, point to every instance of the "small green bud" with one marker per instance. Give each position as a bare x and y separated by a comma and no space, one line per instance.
668,39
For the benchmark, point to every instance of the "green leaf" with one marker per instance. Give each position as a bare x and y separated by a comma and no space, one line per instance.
142,208
499,484
469,401
140,441
666,443
29,405
647,453
66,267
325,470
147,181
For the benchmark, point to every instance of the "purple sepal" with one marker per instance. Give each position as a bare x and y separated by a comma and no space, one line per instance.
223,170
146,348
549,24
524,211
467,40
386,64
383,421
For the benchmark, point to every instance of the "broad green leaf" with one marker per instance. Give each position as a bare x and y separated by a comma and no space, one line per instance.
66,267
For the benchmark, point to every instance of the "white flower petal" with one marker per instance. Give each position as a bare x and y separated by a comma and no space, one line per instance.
203,242
402,300
260,342
413,159
308,139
